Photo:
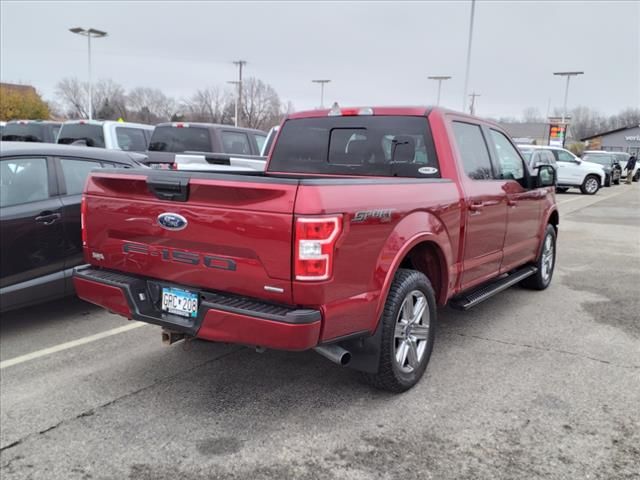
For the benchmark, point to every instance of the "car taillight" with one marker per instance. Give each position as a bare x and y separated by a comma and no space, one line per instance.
315,241
83,225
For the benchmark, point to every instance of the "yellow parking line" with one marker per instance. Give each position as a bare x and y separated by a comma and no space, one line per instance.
67,345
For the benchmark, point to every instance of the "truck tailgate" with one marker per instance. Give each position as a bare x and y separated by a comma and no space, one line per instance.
227,232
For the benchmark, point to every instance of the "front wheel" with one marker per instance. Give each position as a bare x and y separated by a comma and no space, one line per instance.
545,263
590,185
408,332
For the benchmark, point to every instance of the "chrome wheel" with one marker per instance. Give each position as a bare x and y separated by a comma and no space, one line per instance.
412,331
547,258
591,185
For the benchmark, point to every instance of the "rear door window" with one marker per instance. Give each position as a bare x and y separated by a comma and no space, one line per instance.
180,139
83,133
563,156
473,151
356,145
131,139
75,173
23,180
236,142
510,165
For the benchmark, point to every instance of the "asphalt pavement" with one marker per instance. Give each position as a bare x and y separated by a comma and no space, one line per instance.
528,385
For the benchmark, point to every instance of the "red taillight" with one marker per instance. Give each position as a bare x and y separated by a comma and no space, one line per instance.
83,225
315,242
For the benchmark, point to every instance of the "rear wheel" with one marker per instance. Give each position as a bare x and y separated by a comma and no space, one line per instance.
545,263
408,332
590,185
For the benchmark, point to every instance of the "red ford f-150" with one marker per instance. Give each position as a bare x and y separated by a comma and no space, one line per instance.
365,221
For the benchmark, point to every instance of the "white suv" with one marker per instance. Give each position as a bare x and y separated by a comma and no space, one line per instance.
112,135
572,172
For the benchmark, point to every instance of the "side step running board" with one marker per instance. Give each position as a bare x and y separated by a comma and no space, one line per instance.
470,299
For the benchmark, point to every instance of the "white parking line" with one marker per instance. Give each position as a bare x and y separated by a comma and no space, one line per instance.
65,346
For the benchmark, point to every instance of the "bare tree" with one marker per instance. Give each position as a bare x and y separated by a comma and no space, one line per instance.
531,115
261,106
150,105
107,93
72,96
209,105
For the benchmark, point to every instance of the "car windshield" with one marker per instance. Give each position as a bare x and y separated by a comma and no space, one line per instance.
82,133
600,159
24,132
180,139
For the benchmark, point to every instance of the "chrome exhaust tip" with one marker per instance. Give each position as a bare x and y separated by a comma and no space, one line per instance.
335,353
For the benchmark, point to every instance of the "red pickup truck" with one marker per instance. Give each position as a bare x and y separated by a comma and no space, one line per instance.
365,221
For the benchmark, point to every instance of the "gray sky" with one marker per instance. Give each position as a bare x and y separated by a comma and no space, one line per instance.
375,53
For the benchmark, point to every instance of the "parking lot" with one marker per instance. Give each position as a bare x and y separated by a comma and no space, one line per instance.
526,385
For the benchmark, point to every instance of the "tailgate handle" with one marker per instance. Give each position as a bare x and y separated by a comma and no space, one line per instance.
174,189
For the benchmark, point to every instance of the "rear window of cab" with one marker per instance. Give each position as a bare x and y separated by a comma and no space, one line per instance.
356,145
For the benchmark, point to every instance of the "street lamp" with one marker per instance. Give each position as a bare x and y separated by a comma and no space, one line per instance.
235,113
439,78
466,73
566,90
240,64
91,32
322,84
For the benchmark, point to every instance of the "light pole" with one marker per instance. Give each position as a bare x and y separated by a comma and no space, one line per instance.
439,78
566,90
472,107
235,113
322,84
239,64
89,32
466,73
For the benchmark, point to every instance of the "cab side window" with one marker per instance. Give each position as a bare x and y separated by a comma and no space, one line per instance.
23,180
473,151
564,156
510,165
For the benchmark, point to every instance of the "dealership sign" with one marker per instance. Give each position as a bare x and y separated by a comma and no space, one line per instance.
556,134
632,138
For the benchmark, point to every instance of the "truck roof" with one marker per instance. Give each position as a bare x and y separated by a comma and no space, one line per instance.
213,126
110,122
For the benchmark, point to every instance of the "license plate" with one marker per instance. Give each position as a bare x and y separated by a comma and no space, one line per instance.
180,302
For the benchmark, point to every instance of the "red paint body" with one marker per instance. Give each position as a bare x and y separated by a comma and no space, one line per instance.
252,223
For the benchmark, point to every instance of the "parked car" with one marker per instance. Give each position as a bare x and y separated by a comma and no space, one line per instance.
112,135
572,172
41,186
348,242
2,125
623,158
31,131
180,137
609,163
271,136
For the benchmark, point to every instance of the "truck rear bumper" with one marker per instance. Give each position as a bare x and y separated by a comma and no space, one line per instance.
221,317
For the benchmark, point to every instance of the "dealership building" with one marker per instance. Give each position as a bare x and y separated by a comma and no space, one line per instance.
619,140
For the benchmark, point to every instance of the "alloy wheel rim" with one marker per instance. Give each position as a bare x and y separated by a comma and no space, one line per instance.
547,258
592,185
411,331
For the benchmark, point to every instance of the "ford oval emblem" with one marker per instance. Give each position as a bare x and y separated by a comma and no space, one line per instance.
172,221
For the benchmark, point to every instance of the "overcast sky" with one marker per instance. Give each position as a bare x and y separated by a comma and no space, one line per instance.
375,53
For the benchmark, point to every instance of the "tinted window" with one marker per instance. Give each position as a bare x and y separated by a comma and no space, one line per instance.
23,180
356,145
75,174
180,139
24,132
131,139
473,150
236,142
260,139
90,134
563,156
510,164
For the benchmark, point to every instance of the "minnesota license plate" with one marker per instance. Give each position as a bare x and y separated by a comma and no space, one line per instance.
180,302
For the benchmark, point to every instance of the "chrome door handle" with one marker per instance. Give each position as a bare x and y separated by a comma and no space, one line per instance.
47,218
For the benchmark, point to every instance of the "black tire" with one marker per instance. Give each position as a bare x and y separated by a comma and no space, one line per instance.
391,376
607,181
591,185
617,181
540,281
562,189
636,177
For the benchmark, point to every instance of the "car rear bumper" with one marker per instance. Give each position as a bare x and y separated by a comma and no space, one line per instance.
221,317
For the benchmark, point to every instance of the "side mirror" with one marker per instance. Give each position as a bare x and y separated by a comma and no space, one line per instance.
546,176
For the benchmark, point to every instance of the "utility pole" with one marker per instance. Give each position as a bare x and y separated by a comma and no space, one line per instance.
235,112
566,90
240,64
89,32
472,107
466,73
322,84
439,78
